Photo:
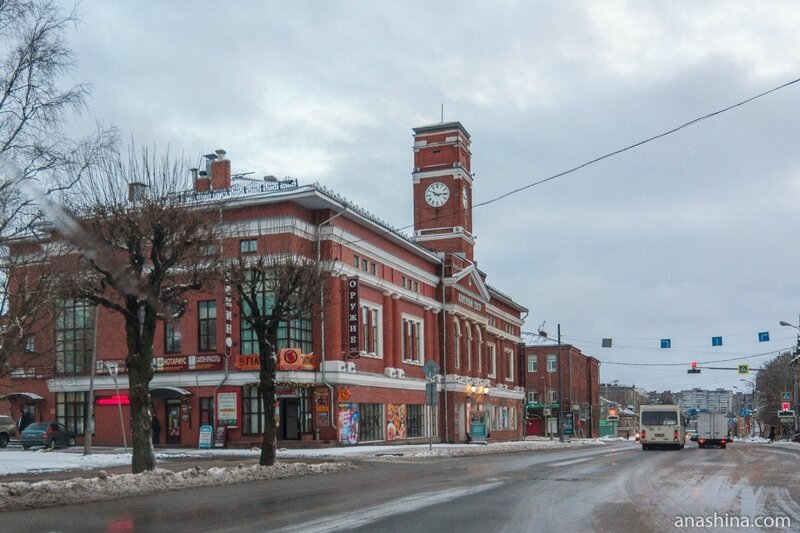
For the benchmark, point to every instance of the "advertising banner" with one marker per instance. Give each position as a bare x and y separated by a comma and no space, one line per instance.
348,423
228,409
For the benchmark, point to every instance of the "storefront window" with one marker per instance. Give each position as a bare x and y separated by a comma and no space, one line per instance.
71,410
370,427
252,410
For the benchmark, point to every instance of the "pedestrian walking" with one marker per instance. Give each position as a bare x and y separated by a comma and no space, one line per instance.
771,434
156,427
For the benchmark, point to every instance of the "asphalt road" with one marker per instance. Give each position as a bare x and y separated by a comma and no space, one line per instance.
617,487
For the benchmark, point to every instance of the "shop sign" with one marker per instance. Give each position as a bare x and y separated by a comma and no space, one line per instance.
121,399
183,363
293,359
247,362
353,319
228,409
323,408
206,436
285,392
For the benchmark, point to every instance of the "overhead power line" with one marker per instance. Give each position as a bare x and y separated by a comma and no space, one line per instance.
600,158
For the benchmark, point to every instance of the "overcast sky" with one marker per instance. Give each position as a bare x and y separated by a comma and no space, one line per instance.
691,236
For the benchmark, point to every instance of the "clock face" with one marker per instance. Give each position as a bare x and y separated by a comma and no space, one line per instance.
437,194
465,197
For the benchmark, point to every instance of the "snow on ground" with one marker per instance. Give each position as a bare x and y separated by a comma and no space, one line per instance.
27,495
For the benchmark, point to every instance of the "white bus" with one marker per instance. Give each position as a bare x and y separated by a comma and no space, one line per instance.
662,426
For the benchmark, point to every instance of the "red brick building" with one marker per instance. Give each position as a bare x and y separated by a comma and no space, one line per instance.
551,368
419,299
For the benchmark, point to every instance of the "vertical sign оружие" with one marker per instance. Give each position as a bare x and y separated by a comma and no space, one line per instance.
353,322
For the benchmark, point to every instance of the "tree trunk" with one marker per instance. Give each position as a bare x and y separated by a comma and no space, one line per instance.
140,373
268,395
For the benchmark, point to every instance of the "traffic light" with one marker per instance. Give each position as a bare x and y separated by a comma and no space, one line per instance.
694,369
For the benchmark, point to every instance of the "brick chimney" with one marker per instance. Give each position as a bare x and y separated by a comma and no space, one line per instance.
220,171
202,183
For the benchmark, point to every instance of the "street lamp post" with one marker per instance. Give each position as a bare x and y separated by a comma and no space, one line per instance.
793,365
113,369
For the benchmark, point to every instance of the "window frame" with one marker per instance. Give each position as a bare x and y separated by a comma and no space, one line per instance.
407,323
371,320
248,246
206,326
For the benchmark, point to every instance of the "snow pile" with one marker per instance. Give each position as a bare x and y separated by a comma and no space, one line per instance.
23,495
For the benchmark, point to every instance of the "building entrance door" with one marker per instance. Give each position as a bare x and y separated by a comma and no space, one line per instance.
290,420
173,429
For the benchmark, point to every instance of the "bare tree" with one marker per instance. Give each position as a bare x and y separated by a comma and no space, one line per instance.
139,248
274,288
772,381
36,157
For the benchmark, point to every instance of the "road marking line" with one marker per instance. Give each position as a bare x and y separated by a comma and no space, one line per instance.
572,461
363,517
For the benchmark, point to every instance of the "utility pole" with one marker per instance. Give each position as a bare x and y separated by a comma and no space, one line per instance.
560,391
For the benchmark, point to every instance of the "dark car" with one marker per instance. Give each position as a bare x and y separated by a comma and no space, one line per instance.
47,434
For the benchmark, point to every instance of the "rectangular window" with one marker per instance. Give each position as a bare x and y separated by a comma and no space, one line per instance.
71,410
291,334
551,362
509,365
74,335
533,396
532,363
356,261
365,265
416,421
252,411
373,268
248,246
172,334
370,425
371,330
412,340
553,396
492,356
207,325
29,344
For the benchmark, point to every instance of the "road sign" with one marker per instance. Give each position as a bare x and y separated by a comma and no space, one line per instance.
430,393
744,369
430,368
785,406
786,415
786,397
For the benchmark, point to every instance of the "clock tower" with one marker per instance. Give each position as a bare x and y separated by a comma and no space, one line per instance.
443,188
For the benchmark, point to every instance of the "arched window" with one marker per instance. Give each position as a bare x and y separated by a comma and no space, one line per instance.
457,347
479,337
469,345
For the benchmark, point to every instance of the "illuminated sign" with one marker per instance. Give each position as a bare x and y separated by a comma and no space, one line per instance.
353,319
121,399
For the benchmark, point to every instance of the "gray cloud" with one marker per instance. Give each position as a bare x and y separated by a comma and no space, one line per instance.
693,235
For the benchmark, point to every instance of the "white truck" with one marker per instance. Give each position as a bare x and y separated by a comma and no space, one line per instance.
712,430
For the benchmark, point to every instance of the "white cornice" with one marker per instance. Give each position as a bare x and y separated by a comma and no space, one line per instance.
458,173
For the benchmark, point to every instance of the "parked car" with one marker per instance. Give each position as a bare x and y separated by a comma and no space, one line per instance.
47,434
8,428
